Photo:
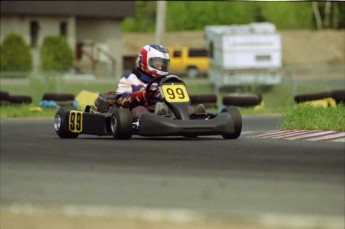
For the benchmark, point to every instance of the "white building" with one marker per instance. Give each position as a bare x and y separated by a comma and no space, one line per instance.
92,28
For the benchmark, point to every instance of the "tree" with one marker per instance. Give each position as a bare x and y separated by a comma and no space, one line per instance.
145,18
56,54
195,15
329,14
15,54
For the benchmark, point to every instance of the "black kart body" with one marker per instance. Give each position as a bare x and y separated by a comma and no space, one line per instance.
117,121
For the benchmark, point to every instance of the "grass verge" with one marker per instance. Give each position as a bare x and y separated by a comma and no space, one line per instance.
303,117
23,111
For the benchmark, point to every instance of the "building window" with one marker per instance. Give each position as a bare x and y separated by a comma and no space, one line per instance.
63,29
197,52
34,27
177,54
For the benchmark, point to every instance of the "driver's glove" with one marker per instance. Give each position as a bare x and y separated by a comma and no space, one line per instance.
140,96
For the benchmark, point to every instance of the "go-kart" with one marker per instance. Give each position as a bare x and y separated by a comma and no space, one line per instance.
117,121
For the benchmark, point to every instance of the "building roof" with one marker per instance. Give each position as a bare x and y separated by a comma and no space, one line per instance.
90,9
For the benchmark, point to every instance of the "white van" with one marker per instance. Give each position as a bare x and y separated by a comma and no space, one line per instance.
244,55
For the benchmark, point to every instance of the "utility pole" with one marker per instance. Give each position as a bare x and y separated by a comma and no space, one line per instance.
328,7
160,20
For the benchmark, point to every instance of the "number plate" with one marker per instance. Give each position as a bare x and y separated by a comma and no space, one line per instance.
175,93
75,121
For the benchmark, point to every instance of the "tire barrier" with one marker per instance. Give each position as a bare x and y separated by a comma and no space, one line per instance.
325,99
327,102
4,98
209,100
242,100
7,99
4,95
313,96
338,96
57,100
58,97
19,99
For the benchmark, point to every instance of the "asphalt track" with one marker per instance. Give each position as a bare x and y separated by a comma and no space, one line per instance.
247,176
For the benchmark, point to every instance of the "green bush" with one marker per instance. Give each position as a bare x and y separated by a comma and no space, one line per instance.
15,54
56,54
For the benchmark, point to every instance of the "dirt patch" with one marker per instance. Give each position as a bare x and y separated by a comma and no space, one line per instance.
55,220
298,47
304,47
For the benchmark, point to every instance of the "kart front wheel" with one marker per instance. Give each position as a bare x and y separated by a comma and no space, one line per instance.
61,125
237,120
121,124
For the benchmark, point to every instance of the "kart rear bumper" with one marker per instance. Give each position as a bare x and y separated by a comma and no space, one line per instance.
154,125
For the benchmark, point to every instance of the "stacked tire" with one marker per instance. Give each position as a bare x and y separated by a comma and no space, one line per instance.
338,96
312,96
4,98
242,100
7,99
61,99
209,100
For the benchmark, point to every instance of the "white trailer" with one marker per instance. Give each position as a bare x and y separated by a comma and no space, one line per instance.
244,55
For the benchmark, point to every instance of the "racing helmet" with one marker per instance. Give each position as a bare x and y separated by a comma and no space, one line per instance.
153,60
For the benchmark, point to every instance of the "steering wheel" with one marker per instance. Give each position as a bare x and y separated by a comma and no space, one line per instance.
154,80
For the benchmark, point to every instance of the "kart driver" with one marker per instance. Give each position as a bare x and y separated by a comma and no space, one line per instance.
153,61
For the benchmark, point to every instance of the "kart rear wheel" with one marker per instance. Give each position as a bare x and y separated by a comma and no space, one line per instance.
121,123
237,120
61,125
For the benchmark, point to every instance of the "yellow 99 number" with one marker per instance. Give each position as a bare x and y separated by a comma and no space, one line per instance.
75,121
175,93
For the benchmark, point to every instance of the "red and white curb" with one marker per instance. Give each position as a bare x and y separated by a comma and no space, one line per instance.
307,135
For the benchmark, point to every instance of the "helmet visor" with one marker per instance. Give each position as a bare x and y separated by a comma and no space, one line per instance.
160,64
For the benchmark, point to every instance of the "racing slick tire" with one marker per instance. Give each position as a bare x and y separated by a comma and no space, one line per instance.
237,120
61,125
121,123
243,100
